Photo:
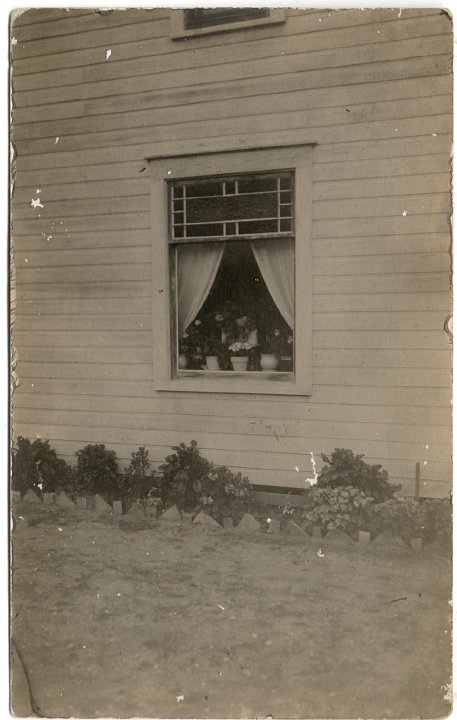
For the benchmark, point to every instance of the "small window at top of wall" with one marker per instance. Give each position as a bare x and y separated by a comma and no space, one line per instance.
200,21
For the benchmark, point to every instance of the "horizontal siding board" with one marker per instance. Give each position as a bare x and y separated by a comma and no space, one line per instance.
80,370
56,240
53,257
98,128
364,395
382,302
321,358
362,358
400,225
412,282
404,186
380,321
382,245
84,290
381,168
382,339
312,62
268,123
72,24
382,264
258,452
88,338
83,322
94,273
206,50
278,431
421,140
98,306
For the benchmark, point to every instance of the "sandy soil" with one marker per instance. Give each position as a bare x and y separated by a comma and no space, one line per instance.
121,617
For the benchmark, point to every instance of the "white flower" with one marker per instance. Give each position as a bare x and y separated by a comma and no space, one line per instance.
277,333
219,318
198,322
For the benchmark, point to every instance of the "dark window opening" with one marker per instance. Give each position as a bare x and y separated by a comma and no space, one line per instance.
207,17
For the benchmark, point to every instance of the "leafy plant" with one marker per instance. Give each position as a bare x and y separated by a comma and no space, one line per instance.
401,515
439,521
137,481
226,493
36,465
345,468
341,507
96,471
182,475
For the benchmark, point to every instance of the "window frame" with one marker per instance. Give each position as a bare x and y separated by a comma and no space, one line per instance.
231,162
179,31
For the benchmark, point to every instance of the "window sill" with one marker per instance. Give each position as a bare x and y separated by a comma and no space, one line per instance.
220,381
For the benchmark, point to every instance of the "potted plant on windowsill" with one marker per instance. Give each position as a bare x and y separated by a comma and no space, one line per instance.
212,348
239,355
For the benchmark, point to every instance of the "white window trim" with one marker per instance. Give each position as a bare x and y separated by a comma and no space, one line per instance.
192,166
178,31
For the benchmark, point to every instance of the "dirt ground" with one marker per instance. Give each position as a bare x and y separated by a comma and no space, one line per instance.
120,617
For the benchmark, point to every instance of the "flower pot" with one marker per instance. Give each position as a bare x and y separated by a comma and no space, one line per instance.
212,362
286,364
239,364
364,537
269,361
182,361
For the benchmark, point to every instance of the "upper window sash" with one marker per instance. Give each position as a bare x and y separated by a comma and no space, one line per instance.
234,207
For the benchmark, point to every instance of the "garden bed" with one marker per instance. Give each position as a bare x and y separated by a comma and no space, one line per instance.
129,616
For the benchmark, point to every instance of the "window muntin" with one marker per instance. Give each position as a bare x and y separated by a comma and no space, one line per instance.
257,205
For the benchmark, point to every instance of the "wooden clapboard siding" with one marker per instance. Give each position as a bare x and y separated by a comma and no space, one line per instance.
372,88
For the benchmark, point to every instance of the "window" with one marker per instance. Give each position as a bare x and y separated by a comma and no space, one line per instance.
198,21
232,281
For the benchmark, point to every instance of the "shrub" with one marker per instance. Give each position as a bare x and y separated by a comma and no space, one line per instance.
341,507
137,483
439,521
36,464
182,475
96,471
345,468
402,516
226,493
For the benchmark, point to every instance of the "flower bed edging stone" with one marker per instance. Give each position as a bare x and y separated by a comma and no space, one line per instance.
49,498
117,507
172,514
62,500
337,537
390,542
204,519
32,497
274,527
248,523
100,505
294,530
228,523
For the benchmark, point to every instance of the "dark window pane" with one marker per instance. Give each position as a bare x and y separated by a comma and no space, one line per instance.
285,225
230,187
178,205
214,229
232,207
206,17
286,182
230,229
204,189
257,184
178,232
286,197
284,210
178,218
258,226
177,191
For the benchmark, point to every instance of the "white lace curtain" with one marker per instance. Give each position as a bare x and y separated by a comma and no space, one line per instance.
198,264
276,261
